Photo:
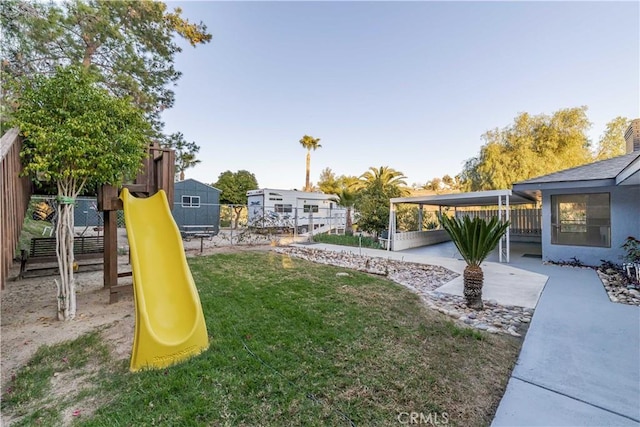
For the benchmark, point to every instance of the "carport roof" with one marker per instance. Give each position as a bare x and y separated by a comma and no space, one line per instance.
476,198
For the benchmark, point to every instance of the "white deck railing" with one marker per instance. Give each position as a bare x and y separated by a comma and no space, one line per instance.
414,239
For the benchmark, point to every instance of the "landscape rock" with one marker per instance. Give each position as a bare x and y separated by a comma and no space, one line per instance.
619,287
424,279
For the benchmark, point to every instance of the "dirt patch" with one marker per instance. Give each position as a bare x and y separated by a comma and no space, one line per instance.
29,319
28,311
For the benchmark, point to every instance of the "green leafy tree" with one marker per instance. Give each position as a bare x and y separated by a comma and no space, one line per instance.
185,152
448,182
530,147
77,133
475,239
234,187
434,185
377,186
612,142
131,45
309,143
328,182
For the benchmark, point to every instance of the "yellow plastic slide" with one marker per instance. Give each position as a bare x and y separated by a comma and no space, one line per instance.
170,325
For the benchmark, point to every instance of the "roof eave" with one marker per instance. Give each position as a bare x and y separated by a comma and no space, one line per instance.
630,174
563,185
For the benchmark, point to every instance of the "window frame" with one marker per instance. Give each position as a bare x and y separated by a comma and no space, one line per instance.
593,231
191,201
283,208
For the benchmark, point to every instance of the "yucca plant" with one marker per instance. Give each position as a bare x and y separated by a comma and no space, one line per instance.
475,239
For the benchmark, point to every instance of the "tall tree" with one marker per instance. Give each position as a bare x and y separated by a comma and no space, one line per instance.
76,133
530,147
386,180
347,192
328,182
309,143
612,142
130,44
185,152
234,187
377,186
347,197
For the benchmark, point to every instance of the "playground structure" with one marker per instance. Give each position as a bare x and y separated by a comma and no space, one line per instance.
170,324
157,174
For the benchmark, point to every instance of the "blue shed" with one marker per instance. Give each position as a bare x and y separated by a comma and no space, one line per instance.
196,205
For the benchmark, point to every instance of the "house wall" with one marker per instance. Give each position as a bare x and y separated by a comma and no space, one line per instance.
625,214
209,211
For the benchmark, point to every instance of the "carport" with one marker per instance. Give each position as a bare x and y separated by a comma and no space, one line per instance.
503,199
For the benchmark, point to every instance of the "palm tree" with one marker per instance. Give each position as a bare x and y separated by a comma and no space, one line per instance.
475,239
385,180
347,198
309,143
185,161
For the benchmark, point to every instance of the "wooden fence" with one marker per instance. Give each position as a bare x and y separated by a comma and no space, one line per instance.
524,222
15,192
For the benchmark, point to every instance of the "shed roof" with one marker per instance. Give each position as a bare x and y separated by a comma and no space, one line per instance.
189,182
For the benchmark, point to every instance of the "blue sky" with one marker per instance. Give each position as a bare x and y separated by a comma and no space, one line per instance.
410,85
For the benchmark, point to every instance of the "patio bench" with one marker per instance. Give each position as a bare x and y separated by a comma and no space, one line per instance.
43,250
198,231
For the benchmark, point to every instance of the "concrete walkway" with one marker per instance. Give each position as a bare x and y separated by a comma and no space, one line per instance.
580,361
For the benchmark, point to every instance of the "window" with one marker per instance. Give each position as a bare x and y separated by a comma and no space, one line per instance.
190,201
310,208
283,208
581,220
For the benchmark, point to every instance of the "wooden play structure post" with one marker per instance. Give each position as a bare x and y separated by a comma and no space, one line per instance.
157,174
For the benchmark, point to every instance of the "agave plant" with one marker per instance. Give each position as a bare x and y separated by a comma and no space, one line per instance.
475,239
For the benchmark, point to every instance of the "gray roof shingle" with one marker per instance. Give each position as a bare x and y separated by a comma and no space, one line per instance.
603,169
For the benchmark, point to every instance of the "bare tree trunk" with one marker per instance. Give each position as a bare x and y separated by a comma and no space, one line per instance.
64,248
237,210
349,225
307,185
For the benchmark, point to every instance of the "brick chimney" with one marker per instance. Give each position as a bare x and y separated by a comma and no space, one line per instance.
632,136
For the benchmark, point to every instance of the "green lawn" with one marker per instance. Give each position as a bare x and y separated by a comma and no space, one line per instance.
345,240
291,344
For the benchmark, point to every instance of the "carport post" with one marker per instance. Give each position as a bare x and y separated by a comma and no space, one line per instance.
507,216
391,231
500,219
